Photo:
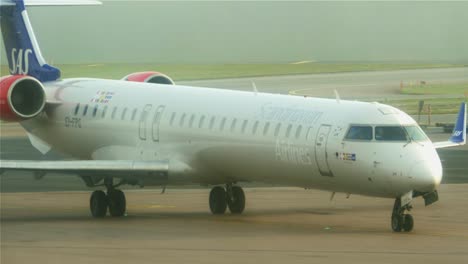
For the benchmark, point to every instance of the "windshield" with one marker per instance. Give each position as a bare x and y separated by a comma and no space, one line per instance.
415,133
390,133
399,133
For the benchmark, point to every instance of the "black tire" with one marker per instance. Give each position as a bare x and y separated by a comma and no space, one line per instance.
409,223
98,204
117,203
217,200
237,203
397,223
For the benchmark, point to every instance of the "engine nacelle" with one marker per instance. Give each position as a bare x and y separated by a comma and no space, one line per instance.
21,97
149,77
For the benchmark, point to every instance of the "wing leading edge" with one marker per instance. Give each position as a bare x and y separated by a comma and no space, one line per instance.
87,167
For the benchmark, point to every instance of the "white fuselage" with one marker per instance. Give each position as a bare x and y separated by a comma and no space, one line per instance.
214,136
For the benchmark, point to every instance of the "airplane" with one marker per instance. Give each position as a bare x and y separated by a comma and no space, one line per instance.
145,130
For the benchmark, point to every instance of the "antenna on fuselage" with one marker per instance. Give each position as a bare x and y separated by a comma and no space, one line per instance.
337,96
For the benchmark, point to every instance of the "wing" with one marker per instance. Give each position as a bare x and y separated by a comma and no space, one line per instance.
89,167
458,137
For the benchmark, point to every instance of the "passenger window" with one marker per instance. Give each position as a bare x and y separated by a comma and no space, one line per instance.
182,120
265,128
202,121
244,126
390,133
134,113
192,119
172,118
85,110
254,128
221,126
95,110
277,129
288,130
298,131
212,121
114,112
233,124
124,112
359,133
103,115
77,108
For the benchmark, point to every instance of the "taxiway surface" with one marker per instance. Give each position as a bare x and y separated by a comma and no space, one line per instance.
280,225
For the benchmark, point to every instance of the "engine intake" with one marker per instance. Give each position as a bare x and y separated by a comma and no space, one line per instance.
149,77
21,97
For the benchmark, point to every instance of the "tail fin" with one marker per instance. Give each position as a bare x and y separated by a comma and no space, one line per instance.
458,137
459,131
22,49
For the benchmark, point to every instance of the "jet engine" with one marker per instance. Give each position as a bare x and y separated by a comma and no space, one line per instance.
21,97
149,77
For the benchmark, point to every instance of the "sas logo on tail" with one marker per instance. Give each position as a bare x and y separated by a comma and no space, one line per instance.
457,133
20,61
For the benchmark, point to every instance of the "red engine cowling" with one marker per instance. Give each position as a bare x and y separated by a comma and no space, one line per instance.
21,97
149,77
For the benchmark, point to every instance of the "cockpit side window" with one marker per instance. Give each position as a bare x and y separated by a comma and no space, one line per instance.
359,132
390,133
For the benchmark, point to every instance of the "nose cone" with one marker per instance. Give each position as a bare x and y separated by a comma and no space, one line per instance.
427,175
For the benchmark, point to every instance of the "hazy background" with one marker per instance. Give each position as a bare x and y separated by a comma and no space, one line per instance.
253,32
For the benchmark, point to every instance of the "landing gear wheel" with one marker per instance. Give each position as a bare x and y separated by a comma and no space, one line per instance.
409,223
397,223
117,203
400,220
98,204
217,200
236,202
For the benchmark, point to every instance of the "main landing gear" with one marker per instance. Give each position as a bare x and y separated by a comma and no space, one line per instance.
114,200
222,198
400,220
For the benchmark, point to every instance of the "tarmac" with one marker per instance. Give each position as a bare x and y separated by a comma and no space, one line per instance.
48,220
280,225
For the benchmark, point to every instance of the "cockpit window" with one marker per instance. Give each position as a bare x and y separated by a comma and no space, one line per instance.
359,133
390,133
415,133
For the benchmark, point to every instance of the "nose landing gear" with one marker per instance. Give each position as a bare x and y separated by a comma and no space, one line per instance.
231,197
400,220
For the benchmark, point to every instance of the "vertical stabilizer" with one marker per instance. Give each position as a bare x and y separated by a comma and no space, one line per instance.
459,130
22,49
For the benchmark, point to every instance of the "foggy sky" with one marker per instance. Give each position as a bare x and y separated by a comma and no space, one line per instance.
253,32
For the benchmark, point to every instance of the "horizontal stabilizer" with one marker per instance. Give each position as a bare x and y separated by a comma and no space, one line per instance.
458,137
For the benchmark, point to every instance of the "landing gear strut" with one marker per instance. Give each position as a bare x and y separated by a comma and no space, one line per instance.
222,198
114,200
400,220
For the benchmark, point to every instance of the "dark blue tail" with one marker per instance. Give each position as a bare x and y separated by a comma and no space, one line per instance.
22,49
459,131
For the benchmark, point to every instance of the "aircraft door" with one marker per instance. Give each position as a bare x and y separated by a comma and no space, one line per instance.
321,156
156,121
143,121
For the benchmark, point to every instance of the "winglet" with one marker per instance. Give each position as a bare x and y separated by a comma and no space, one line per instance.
459,131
